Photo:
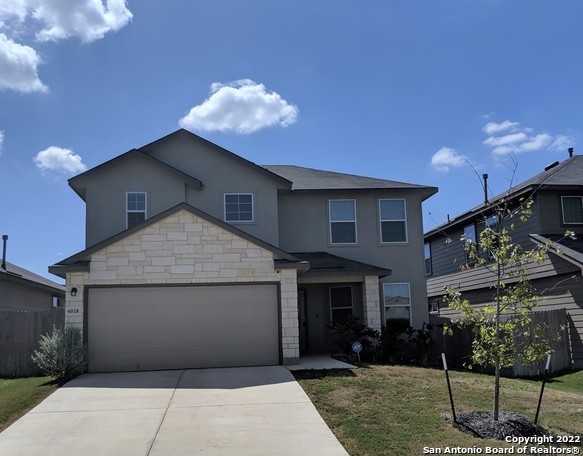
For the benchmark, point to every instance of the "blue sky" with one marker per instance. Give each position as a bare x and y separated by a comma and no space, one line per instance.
389,89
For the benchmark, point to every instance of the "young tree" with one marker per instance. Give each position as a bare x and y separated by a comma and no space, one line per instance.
504,331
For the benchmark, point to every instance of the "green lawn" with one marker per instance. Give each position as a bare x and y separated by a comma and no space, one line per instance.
396,410
18,396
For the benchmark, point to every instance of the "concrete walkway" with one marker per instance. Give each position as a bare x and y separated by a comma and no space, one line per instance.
235,411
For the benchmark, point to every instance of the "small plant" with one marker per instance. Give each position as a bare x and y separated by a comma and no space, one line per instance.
404,344
62,353
350,330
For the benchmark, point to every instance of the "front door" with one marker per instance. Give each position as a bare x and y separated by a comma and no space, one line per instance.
303,321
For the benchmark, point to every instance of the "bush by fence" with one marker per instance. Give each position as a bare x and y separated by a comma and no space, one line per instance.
20,332
458,347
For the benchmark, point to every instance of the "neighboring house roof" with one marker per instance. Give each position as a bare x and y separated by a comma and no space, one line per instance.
80,261
568,173
323,263
16,272
77,183
564,247
317,179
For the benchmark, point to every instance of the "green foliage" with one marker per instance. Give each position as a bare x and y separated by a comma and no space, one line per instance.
504,331
61,354
407,345
350,330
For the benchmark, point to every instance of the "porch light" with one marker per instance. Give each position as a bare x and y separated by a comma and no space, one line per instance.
73,291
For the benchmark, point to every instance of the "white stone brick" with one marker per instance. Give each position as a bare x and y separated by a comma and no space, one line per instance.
210,266
213,248
177,236
152,245
158,261
137,256
183,248
182,269
193,227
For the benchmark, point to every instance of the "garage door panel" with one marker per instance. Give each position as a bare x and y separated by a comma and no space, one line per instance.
182,327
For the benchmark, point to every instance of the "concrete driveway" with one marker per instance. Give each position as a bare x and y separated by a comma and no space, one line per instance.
235,411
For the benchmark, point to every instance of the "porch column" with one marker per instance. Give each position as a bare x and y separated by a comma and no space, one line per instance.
371,305
290,332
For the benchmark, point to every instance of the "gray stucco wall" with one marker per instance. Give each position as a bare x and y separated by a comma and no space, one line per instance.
18,295
304,226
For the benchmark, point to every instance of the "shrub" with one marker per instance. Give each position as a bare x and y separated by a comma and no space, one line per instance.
407,345
61,354
350,330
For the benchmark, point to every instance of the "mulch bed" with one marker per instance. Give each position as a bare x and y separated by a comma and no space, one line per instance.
481,424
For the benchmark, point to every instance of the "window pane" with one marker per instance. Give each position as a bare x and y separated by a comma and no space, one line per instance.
393,232
136,201
246,216
492,221
341,297
343,232
341,315
392,210
234,199
135,218
396,294
342,211
427,251
397,317
573,209
470,233
239,208
245,199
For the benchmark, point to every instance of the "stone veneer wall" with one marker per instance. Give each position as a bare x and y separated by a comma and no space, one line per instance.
371,305
184,248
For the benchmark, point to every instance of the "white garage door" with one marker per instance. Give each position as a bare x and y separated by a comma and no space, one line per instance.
149,328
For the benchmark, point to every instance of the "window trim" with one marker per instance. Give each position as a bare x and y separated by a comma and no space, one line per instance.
238,194
145,211
410,305
393,220
340,308
330,221
563,209
427,274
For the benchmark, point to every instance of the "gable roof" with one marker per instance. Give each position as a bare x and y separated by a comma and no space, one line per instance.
568,173
80,261
77,182
317,179
564,247
324,263
182,133
14,271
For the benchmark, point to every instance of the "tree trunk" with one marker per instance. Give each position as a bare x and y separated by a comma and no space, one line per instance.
496,390
497,339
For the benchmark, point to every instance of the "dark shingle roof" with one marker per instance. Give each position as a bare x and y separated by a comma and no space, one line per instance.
21,273
568,173
317,179
328,263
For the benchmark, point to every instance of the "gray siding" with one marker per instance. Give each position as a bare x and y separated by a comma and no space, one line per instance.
563,291
304,226
19,295
550,206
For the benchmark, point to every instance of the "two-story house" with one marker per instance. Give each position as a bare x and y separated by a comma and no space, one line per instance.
557,194
197,257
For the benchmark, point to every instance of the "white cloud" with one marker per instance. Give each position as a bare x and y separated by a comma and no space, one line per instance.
89,20
504,140
2,136
562,143
242,106
18,67
446,158
492,128
531,144
59,159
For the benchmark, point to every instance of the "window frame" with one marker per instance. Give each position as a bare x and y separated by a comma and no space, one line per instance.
392,220
145,211
473,241
563,209
330,222
488,224
56,302
430,272
410,305
239,194
349,286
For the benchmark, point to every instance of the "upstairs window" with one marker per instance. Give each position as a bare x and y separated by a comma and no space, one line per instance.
135,208
342,221
572,209
238,207
340,303
427,252
470,245
492,223
393,220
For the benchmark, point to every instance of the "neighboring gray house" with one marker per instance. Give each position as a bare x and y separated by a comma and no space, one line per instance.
557,207
197,257
21,289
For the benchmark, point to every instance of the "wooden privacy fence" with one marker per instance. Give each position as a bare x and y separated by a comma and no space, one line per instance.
20,332
458,347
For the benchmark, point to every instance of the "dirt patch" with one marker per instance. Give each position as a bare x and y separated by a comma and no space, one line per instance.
482,424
